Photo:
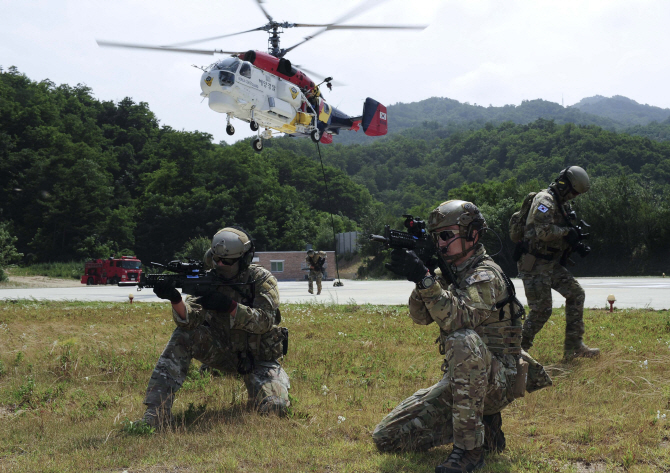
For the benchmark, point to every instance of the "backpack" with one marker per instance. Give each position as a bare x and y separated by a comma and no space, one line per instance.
517,222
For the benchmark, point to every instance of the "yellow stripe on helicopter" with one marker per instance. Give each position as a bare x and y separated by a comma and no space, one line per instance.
325,112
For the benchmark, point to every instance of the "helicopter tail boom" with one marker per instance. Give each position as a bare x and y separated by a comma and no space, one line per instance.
374,118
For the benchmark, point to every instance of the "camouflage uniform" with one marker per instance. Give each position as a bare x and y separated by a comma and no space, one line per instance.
315,274
479,370
541,271
229,344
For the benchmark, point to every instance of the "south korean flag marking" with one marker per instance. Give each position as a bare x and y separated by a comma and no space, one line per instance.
542,208
382,116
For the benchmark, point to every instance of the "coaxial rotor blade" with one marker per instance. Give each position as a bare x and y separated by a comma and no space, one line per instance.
337,23
186,43
260,5
358,10
319,76
307,38
161,48
366,27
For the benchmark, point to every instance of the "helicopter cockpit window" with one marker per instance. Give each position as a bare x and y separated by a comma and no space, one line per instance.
229,64
245,70
226,78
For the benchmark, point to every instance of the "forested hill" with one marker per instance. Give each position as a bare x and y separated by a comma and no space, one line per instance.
614,114
403,171
442,111
622,110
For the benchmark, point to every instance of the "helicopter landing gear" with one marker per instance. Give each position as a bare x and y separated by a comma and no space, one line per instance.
257,144
253,124
230,129
315,135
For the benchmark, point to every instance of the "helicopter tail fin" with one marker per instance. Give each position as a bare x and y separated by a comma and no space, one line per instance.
374,118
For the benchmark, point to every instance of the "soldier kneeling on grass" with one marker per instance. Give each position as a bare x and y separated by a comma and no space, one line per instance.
233,330
484,369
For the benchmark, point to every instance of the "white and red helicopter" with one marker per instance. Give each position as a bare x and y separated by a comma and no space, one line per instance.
267,91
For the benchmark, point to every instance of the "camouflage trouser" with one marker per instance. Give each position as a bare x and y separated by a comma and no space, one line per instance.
474,383
267,385
538,292
315,275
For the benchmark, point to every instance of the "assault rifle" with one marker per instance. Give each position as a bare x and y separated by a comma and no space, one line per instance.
581,248
319,264
192,278
417,240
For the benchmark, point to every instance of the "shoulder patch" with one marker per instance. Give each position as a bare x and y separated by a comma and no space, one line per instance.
481,276
542,208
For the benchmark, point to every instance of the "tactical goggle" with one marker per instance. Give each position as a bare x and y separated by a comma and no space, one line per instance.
446,235
225,261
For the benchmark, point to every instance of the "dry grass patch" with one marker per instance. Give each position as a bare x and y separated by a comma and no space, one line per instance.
72,376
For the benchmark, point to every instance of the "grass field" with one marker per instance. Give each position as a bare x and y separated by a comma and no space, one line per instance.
72,374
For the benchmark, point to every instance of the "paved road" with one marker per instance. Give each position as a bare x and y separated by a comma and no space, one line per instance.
629,292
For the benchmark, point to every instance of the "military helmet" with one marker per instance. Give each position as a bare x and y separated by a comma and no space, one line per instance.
310,252
231,243
457,212
573,178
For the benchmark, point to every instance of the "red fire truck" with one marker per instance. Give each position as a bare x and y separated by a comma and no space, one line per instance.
120,271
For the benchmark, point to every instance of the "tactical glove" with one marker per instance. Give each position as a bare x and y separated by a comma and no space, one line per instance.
217,301
572,237
407,263
166,290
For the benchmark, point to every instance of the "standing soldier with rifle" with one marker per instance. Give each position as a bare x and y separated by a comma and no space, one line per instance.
232,327
545,240
315,261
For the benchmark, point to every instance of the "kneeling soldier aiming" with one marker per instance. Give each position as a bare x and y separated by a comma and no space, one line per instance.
232,329
480,336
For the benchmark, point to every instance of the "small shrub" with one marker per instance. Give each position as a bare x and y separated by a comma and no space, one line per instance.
20,356
137,428
25,395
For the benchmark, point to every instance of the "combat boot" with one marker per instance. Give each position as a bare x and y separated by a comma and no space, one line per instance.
156,417
494,437
582,351
318,292
462,461
273,405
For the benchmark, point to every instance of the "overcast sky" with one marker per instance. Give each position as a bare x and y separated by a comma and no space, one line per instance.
478,51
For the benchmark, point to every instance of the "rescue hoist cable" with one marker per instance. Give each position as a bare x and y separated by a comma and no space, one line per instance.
332,220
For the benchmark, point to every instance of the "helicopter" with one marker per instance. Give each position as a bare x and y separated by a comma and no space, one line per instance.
267,91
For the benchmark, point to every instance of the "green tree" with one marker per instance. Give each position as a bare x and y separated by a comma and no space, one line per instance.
8,252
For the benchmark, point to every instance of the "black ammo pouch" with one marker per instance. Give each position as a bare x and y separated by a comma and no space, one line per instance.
285,341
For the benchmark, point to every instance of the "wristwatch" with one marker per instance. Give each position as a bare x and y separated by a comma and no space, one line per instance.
426,282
